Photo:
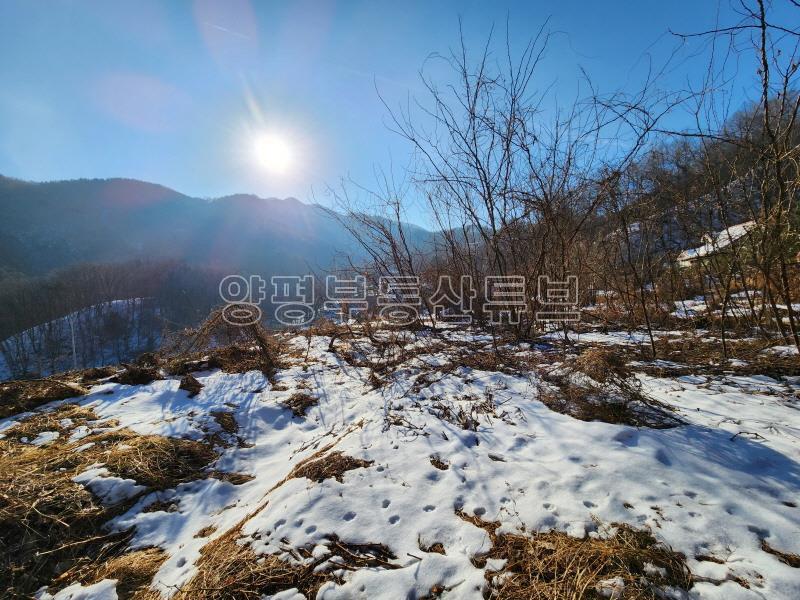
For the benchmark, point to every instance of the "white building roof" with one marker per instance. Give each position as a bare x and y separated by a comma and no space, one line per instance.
717,241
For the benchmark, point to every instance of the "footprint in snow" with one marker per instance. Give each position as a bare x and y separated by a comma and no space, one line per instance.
662,457
394,519
386,503
349,516
628,438
761,533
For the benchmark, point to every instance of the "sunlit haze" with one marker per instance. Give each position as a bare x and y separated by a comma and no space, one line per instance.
170,92
273,153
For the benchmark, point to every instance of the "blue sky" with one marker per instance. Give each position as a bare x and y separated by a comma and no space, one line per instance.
172,92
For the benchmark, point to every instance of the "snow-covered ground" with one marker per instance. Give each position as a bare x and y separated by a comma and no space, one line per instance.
715,487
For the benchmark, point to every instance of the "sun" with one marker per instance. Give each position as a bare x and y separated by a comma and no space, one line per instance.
272,152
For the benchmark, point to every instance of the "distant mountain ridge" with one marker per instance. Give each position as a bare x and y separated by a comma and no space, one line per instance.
50,225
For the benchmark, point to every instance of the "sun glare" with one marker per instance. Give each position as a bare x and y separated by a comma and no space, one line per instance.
272,153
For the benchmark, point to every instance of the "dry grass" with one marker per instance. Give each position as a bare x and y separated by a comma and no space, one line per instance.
234,478
598,386
159,462
52,527
21,396
602,364
37,423
331,465
299,403
436,547
133,571
229,570
439,463
555,566
226,420
205,531
793,560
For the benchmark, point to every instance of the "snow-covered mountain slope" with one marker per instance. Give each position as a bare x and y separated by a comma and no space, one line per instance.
720,488
105,333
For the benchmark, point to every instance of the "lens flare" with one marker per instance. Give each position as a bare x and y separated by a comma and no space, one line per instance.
272,152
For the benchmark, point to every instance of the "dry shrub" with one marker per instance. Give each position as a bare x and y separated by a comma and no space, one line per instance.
503,358
598,386
136,375
481,360
217,344
602,364
555,566
467,418
334,464
707,354
43,511
593,403
21,396
227,422
240,359
190,385
353,556
52,527
385,353
95,374
235,358
327,328
299,403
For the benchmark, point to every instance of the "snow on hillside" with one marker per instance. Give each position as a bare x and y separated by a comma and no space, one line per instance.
103,333
715,242
715,489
